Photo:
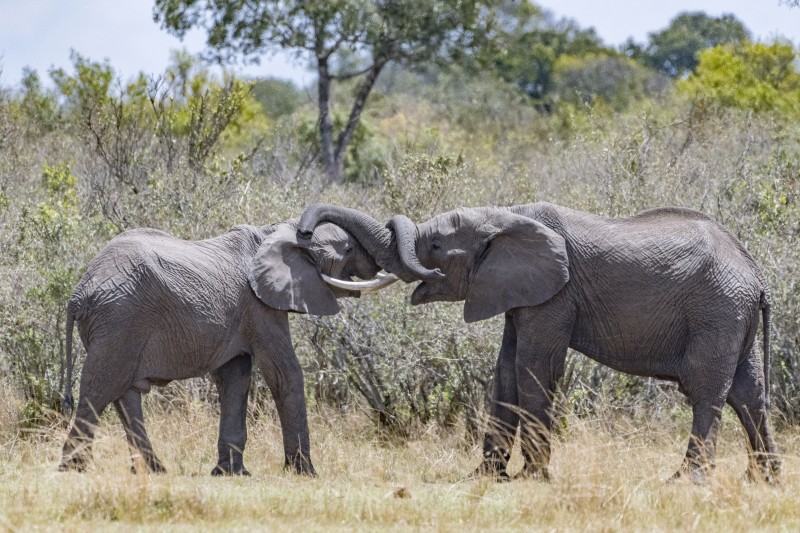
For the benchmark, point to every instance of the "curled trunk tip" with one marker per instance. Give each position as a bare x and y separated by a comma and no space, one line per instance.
405,233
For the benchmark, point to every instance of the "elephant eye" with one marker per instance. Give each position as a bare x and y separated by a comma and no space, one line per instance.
436,246
347,249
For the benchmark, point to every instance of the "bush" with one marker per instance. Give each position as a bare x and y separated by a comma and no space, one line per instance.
120,157
750,76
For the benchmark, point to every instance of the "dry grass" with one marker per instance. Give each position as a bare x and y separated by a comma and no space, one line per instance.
605,477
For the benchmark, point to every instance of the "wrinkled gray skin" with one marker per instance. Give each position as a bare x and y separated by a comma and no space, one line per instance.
668,293
152,308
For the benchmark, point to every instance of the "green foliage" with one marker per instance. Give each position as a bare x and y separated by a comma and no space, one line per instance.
411,366
364,157
152,127
32,325
278,98
600,78
406,30
38,105
345,39
750,76
194,155
59,182
529,42
674,50
421,186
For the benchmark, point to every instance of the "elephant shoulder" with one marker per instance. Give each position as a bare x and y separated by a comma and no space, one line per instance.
137,234
671,214
247,234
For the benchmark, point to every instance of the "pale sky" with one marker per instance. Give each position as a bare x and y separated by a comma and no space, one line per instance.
40,33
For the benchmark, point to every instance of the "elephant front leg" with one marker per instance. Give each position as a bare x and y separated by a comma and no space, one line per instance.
284,376
539,366
233,384
499,438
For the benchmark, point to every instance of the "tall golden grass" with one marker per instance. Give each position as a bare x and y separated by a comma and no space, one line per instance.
606,476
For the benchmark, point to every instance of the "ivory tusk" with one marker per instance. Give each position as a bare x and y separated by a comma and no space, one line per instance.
380,281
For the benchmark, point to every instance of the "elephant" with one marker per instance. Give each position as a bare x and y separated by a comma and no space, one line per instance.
668,293
152,308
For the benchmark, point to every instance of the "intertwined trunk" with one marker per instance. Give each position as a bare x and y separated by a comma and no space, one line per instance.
380,241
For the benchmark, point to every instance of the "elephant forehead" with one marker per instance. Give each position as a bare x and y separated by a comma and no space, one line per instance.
440,226
330,233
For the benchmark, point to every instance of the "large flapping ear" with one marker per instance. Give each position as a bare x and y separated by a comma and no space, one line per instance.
283,276
524,264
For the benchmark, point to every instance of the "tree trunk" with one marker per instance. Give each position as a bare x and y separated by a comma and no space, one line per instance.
355,113
332,169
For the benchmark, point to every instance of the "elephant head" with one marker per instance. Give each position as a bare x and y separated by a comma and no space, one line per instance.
491,258
294,274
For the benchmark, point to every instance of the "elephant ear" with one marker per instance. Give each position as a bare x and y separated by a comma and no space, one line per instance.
524,264
283,276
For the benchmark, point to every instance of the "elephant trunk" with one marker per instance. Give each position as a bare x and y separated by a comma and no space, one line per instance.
378,240
405,233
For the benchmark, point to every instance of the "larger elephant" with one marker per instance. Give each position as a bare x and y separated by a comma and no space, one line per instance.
668,293
152,308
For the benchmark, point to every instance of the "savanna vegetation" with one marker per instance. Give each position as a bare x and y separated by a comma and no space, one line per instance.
512,106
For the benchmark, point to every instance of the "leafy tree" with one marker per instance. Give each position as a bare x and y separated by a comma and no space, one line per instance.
749,76
38,103
674,49
615,80
277,97
528,42
345,39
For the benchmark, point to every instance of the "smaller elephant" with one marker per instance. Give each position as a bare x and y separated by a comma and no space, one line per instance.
668,293
152,308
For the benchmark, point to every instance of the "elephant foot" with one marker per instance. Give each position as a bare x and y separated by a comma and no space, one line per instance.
73,464
493,466
536,473
150,465
228,469
76,455
766,469
301,464
697,474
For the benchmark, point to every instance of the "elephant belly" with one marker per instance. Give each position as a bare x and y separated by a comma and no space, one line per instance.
162,346
169,358
642,344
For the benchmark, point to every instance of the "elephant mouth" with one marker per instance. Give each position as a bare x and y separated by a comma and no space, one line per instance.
431,291
423,293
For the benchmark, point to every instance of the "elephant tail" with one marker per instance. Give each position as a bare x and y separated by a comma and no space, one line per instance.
68,402
767,323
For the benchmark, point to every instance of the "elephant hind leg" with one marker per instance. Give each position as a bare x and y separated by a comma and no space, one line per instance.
706,379
77,451
701,451
233,384
129,409
97,390
748,398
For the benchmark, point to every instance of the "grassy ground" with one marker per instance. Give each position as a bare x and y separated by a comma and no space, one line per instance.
606,477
